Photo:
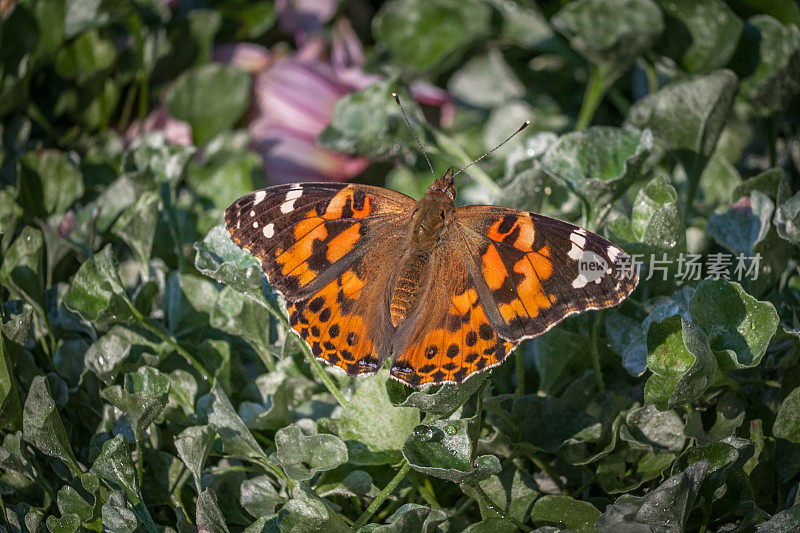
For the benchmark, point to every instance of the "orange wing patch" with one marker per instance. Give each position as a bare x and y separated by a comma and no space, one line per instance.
335,334
465,345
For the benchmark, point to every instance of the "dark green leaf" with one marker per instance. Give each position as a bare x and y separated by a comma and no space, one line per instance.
49,182
137,225
610,34
85,55
211,98
682,363
486,81
68,523
787,423
688,116
259,497
443,449
142,398
546,423
236,439
209,516
770,56
193,445
441,402
511,490
120,345
703,34
735,323
308,513
657,221
70,502
10,407
42,426
787,219
116,514
409,517
420,34
564,511
219,258
22,269
599,163
96,292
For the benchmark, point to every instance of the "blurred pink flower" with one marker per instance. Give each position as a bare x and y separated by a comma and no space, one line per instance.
175,131
294,101
428,94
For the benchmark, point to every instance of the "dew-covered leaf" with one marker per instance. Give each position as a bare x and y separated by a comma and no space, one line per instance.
142,397
209,516
237,441
193,445
22,269
736,324
302,456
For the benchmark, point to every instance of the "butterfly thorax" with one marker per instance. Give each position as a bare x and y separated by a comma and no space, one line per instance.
430,219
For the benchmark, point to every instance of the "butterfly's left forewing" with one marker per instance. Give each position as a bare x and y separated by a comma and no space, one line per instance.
319,244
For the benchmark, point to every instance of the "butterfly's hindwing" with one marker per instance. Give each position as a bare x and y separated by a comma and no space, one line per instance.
534,271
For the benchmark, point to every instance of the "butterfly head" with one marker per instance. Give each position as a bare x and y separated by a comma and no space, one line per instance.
444,185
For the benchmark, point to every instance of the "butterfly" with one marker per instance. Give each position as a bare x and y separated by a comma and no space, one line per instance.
447,292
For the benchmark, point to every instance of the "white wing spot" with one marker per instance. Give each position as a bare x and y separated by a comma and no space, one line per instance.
255,224
579,282
252,213
577,238
613,253
581,231
269,231
294,194
288,206
259,197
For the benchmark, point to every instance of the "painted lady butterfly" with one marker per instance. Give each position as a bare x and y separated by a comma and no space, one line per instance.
446,291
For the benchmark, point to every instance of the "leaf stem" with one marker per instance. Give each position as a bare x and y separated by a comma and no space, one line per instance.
380,498
598,372
595,91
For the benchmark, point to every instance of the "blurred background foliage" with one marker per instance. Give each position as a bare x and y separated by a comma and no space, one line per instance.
147,379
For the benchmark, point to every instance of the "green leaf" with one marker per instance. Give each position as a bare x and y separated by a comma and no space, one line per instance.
369,123
564,511
610,33
486,81
22,269
441,401
242,314
16,318
308,513
657,220
769,59
96,292
682,363
648,429
302,456
735,323
142,399
220,259
743,226
512,491
421,34
211,98
193,445
10,213
188,303
237,441
115,468
209,516
787,219
137,226
599,163
120,346
68,523
409,517
372,428
688,115
49,182
70,502
116,515
85,55
787,422
784,521
10,407
666,507
42,426
701,34
259,497
226,171
443,449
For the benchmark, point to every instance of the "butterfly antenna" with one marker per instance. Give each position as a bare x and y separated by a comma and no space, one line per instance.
421,149
525,125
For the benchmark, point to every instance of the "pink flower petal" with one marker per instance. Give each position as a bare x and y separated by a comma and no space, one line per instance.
302,18
175,131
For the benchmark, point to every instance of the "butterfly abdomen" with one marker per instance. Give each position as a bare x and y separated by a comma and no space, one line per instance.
407,287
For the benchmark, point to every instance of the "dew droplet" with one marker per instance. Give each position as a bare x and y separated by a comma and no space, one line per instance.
450,429
423,433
